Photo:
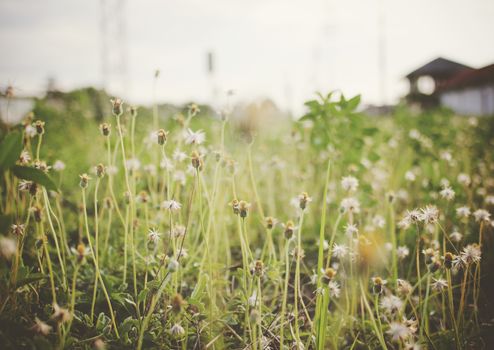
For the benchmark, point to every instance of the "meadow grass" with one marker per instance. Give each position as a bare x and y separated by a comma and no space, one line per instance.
336,231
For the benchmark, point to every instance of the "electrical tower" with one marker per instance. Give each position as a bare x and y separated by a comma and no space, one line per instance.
114,65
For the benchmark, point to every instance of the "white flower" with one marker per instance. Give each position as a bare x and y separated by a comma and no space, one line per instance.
179,176
349,183
339,251
153,235
429,214
446,155
391,303
464,179
177,330
481,215
411,217
178,231
447,193
463,212
334,289
179,156
471,254
30,131
398,331
410,176
456,236
439,284
196,138
166,164
133,164
351,229
41,327
414,134
8,247
403,287
350,204
253,301
24,158
112,170
378,221
59,165
60,314
173,265
171,205
402,252
150,169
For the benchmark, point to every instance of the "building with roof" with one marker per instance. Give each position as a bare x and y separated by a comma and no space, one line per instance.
442,82
470,92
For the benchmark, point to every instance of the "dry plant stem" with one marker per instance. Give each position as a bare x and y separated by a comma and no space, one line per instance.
96,266
297,291
52,229
72,303
285,292
131,202
96,244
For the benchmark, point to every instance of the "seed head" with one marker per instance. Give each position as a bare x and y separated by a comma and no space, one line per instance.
177,302
40,127
196,160
270,222
193,109
100,170
161,136
105,129
257,268
304,199
117,106
329,273
235,206
84,180
289,229
243,208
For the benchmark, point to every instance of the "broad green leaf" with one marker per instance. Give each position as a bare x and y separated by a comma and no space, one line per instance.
353,103
36,175
10,149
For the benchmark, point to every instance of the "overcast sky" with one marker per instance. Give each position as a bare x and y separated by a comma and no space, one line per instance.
283,49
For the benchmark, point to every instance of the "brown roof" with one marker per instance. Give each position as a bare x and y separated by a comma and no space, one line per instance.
439,68
475,77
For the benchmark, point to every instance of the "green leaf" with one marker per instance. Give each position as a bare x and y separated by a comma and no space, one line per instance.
36,175
10,149
353,103
34,277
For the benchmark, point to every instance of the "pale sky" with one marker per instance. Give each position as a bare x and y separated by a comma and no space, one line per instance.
282,49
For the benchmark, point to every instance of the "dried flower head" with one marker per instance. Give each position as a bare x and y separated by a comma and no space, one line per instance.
243,208
349,183
193,109
257,268
40,127
117,106
41,327
270,222
177,302
329,274
196,160
105,129
378,284
84,180
100,170
289,227
162,136
60,315
304,199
